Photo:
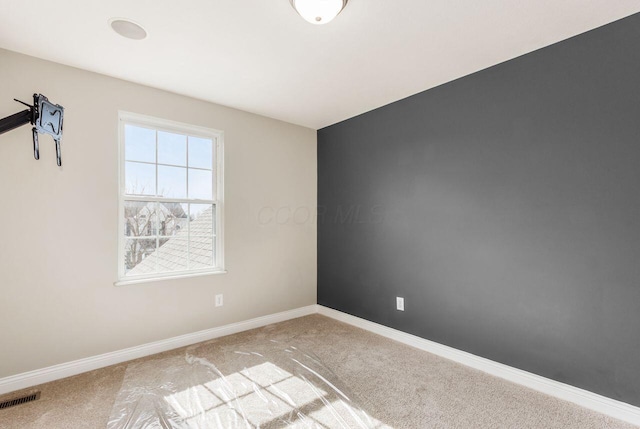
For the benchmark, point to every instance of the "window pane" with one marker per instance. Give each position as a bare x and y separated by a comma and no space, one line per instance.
172,148
173,219
172,182
202,219
140,256
140,219
140,144
201,251
173,254
200,152
140,179
161,230
200,184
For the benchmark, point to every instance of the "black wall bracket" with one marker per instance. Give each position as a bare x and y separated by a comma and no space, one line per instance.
45,117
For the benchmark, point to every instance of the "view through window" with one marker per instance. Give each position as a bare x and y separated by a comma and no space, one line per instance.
170,198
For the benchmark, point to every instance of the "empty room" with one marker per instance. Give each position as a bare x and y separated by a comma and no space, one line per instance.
320,214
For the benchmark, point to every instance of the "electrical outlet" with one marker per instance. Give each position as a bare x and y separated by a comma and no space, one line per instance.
219,302
399,303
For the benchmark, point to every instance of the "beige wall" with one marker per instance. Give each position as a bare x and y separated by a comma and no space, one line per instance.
58,245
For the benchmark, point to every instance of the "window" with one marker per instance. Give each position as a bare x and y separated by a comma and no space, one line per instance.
170,199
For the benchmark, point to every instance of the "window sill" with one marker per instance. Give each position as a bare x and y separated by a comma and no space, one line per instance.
168,277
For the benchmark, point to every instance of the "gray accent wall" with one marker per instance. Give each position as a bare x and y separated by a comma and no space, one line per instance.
504,207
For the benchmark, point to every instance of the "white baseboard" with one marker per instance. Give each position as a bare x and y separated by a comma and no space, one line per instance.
56,372
584,398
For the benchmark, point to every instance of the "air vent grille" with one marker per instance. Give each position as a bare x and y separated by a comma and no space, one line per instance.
18,401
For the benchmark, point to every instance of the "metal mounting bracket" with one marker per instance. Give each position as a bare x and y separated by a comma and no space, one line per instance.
45,117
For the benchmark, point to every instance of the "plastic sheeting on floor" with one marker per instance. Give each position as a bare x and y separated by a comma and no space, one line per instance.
217,385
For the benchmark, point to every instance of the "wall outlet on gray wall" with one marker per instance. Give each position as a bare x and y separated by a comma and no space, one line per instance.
400,303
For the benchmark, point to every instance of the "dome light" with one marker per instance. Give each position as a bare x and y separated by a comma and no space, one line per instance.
318,11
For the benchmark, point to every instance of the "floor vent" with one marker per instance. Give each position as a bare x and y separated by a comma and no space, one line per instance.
18,401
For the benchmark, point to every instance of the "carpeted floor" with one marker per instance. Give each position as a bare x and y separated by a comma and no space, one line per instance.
397,385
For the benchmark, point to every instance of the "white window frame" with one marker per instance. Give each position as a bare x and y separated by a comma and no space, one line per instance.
158,124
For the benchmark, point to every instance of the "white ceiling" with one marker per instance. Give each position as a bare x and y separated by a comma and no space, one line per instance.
260,56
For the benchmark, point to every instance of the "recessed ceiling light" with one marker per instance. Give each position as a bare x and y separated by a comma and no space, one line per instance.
127,28
318,11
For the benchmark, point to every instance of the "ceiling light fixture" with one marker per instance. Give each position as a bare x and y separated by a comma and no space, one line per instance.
318,11
127,28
